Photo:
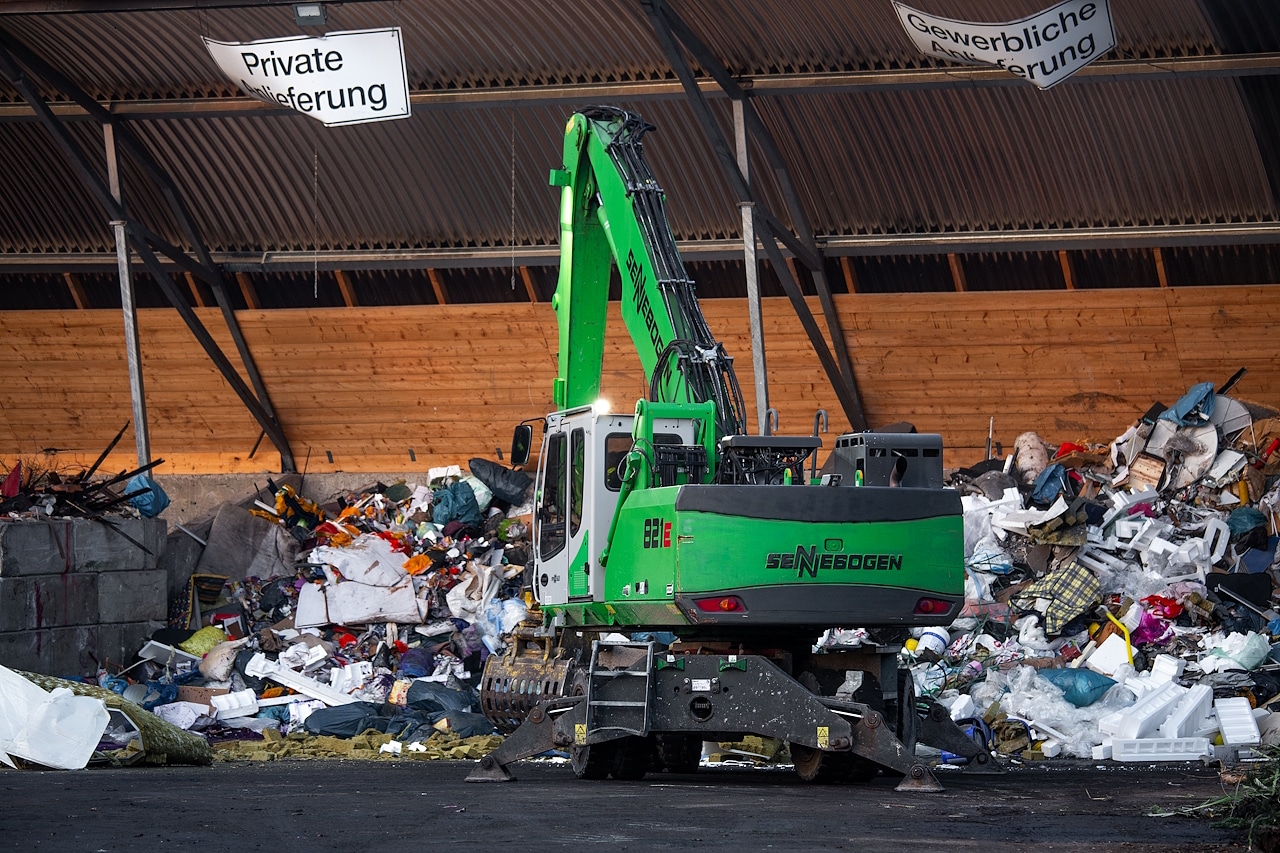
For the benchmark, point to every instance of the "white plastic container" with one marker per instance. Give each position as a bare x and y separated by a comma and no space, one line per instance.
934,640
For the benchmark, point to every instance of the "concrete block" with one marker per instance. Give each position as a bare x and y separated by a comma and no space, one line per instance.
48,601
135,596
64,652
119,643
98,548
35,547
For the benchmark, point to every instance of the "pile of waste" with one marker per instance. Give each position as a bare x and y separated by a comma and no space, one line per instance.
1119,604
29,491
1119,597
375,639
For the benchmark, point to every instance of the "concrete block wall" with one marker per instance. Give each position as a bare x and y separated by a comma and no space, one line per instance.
75,594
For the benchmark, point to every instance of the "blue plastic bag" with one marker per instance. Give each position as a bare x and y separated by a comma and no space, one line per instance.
150,503
1080,687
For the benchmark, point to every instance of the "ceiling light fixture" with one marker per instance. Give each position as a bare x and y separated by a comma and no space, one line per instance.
308,14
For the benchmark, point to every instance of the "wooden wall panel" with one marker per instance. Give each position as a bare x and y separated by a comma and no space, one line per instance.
366,385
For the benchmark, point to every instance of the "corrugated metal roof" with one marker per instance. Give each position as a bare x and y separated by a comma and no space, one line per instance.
1088,153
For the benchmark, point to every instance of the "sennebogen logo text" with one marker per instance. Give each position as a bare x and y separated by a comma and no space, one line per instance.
809,561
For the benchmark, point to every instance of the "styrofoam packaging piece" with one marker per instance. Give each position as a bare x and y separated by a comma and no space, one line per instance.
260,667
162,654
1236,722
962,707
1051,748
1145,716
1102,751
242,703
1107,657
1159,749
1189,716
1167,667
1111,723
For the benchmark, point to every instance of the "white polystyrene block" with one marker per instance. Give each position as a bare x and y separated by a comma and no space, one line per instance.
1108,656
1102,751
1145,716
1167,667
1216,536
1159,749
241,703
962,707
1236,722
1051,748
1111,723
1189,717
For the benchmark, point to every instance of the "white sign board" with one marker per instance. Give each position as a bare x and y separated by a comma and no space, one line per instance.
340,78
1044,49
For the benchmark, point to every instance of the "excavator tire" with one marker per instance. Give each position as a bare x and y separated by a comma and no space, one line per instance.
828,768
592,762
678,753
630,759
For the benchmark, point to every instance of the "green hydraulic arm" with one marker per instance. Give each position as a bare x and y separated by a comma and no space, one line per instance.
613,210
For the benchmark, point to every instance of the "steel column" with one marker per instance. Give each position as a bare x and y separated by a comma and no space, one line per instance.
141,432
759,369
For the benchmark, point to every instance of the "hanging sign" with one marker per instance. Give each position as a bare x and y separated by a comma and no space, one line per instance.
1044,49
340,78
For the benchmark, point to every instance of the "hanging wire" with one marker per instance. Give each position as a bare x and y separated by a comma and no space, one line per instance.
315,220
513,199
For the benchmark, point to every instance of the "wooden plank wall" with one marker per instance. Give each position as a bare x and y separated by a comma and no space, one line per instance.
368,385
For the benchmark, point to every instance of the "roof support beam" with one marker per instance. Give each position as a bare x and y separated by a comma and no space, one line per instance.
1065,260
437,285
194,287
530,286
145,243
668,27
957,273
835,246
77,290
764,85
347,287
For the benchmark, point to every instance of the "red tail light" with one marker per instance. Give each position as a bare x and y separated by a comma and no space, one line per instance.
724,604
932,607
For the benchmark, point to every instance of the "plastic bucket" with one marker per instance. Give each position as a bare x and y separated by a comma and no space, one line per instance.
934,640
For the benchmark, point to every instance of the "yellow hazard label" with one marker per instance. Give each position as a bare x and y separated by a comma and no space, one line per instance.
580,734
824,735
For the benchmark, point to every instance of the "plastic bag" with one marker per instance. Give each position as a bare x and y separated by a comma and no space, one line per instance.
432,697
150,503
507,485
483,494
1081,687
1237,651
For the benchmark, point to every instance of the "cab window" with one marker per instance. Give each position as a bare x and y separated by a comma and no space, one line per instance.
551,504
578,453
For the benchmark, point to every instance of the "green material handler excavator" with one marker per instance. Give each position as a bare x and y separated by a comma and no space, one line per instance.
672,522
